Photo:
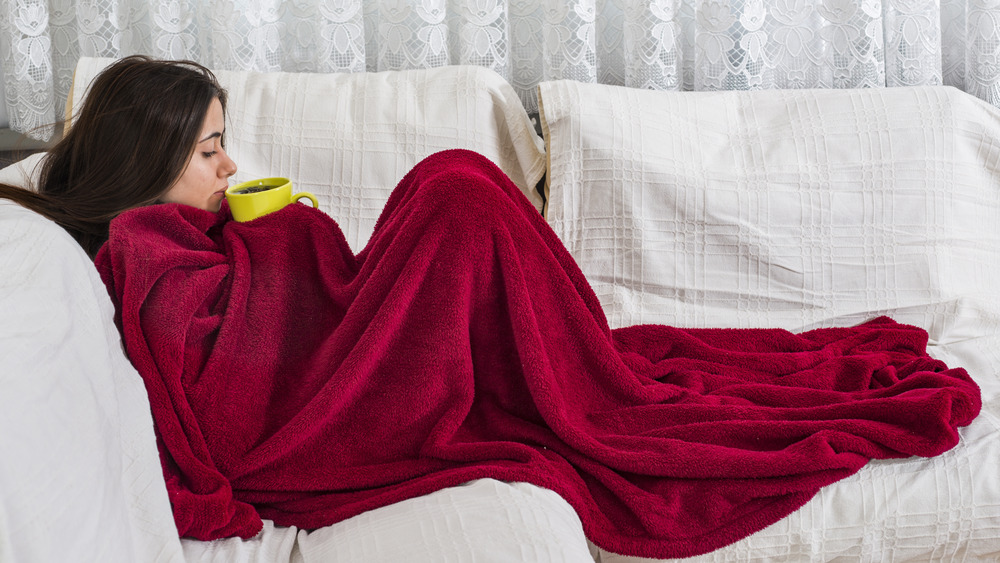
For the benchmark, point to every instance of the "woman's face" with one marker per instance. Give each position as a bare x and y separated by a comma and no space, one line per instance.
206,176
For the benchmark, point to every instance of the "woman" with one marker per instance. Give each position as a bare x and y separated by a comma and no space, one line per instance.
148,132
292,379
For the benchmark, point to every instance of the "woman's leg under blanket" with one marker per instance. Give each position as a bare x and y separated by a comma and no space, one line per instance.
503,286
474,347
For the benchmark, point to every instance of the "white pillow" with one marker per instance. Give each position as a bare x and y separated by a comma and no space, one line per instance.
779,208
350,138
79,471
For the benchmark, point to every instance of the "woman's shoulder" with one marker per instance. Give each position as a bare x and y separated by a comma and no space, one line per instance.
166,226
168,216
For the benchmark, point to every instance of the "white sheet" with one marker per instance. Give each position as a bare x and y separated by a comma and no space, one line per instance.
804,209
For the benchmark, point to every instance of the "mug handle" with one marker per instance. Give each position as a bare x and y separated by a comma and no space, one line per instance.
311,197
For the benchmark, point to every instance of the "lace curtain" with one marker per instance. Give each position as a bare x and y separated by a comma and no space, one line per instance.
659,44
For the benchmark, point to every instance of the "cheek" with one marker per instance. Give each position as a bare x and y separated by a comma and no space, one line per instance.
198,178
193,187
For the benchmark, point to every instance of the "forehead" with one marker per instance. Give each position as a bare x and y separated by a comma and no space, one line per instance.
215,119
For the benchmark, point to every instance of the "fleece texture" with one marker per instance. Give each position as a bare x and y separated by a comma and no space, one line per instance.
294,380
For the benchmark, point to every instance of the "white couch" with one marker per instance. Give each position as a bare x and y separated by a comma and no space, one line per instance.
788,209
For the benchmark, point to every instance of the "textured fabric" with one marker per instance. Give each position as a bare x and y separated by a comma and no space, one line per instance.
484,520
787,208
799,210
661,44
294,380
79,473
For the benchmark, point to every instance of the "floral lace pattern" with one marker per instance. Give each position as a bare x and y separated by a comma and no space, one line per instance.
657,44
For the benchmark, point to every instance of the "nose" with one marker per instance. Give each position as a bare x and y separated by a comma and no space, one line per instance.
228,166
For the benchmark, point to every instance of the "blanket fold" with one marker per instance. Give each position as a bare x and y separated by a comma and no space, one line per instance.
293,380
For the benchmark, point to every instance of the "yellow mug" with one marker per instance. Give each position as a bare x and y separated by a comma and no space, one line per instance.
256,198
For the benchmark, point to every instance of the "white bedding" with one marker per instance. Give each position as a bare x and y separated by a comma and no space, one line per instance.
797,210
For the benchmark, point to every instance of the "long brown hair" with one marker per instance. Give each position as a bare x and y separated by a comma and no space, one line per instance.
129,143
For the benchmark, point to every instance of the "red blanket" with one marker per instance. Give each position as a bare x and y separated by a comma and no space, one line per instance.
293,380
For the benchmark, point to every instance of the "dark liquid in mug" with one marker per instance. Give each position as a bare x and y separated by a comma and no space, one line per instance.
253,189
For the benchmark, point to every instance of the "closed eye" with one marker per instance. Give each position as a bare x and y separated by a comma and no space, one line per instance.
217,135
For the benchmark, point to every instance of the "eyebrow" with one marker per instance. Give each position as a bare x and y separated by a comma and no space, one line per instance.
212,136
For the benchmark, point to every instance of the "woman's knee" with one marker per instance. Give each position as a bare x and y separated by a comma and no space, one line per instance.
462,180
